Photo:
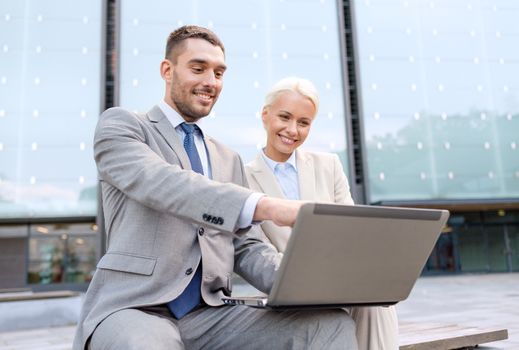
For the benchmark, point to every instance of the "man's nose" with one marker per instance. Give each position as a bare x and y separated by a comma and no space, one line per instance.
210,79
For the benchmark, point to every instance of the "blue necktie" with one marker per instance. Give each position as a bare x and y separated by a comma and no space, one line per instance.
189,145
190,297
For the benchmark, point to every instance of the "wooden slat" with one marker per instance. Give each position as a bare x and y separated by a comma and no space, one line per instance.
28,295
444,337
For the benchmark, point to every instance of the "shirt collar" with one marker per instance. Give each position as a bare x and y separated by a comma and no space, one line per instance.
174,118
272,163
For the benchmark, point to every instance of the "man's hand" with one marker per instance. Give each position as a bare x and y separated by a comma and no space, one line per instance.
282,212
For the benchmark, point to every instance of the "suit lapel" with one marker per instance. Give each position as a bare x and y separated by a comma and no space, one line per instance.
170,135
266,178
214,158
306,175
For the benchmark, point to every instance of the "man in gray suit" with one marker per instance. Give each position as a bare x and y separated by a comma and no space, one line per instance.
178,223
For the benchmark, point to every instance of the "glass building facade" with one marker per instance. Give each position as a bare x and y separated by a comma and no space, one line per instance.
262,46
50,98
440,100
439,106
418,98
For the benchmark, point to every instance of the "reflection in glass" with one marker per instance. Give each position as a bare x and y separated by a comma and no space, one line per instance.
440,99
496,248
514,246
49,102
473,249
62,253
443,256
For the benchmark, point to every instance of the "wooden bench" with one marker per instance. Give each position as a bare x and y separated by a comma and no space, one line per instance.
433,336
413,336
20,295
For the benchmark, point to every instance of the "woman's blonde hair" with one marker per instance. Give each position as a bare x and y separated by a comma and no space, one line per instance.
299,85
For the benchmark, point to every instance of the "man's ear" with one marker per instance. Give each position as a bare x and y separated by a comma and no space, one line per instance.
165,69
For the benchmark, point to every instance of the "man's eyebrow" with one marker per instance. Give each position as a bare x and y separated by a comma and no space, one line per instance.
198,60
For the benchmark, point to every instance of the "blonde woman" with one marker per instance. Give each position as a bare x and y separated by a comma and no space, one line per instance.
283,170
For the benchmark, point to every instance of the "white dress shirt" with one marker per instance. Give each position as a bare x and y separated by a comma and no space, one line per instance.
286,174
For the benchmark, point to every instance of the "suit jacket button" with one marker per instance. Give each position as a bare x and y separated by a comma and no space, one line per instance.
189,271
201,231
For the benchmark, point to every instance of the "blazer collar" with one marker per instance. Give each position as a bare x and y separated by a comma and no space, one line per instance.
216,161
170,135
269,184
265,177
163,125
306,176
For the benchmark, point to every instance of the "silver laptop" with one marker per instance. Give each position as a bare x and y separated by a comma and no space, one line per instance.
340,255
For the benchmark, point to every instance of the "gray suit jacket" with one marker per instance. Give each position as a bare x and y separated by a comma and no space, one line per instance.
321,179
154,213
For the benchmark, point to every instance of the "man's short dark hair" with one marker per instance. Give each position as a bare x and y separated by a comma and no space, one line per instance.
177,37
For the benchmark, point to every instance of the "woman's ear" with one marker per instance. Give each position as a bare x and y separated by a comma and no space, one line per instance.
264,114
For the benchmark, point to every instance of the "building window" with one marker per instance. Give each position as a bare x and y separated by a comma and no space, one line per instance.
62,253
50,93
440,99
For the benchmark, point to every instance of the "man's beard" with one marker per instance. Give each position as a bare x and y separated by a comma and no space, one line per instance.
186,111
181,101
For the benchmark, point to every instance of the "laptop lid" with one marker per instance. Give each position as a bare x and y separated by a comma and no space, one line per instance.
354,255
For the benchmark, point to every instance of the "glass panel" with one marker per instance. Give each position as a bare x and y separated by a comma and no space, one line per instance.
443,258
440,99
472,249
473,217
49,102
513,234
263,45
501,216
496,248
62,253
